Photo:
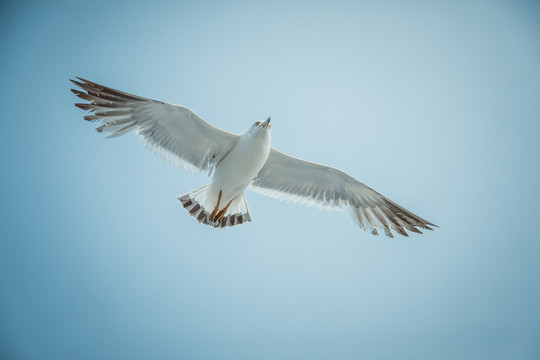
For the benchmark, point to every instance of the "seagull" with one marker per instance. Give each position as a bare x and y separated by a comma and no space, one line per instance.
235,162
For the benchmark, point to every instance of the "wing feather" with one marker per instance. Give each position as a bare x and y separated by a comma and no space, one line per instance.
174,132
288,178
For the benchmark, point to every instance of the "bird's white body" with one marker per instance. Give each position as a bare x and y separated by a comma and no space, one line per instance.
222,202
236,171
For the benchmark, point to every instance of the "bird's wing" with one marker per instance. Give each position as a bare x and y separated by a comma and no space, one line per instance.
173,131
287,178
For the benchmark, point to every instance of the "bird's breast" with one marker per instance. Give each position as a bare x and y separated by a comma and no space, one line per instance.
242,164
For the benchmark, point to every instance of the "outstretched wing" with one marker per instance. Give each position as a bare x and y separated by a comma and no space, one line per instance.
287,178
173,131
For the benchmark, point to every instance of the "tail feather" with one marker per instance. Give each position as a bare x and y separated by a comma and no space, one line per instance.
197,202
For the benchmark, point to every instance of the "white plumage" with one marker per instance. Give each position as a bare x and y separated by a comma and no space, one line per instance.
237,161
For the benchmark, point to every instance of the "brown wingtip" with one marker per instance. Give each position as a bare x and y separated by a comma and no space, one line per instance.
77,83
82,80
91,117
83,106
401,231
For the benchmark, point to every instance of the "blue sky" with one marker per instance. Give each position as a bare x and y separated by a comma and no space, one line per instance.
433,104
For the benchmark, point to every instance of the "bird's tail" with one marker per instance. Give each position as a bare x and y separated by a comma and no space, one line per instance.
201,204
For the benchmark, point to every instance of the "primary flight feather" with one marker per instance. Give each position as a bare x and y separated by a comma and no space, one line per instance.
236,162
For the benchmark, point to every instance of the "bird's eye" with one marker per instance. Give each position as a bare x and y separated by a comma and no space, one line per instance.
257,123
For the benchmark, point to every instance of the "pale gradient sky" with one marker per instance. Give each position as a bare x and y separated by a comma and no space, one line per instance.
433,104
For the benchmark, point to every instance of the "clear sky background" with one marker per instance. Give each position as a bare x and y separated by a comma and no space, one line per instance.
433,104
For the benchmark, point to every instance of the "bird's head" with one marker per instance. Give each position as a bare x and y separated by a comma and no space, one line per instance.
260,128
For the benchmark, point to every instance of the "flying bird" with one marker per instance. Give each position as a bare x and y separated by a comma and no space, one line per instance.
235,162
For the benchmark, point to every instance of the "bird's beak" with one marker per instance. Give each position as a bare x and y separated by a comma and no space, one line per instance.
266,123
